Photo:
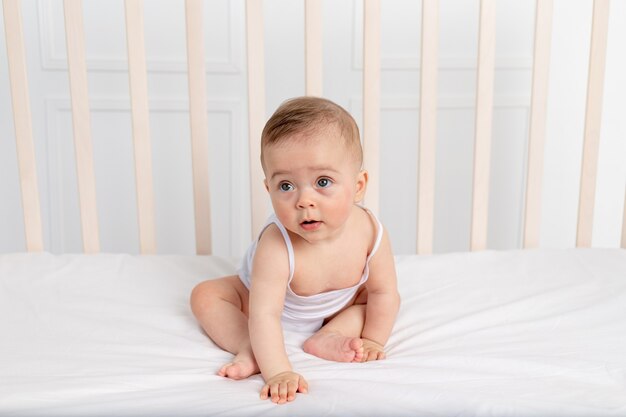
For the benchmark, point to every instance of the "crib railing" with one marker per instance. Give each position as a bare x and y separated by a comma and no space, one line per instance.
23,127
257,115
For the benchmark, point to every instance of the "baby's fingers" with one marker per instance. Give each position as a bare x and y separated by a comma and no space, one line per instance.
283,388
292,387
275,393
270,391
303,386
265,392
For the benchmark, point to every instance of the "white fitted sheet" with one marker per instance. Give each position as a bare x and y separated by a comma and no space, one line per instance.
512,333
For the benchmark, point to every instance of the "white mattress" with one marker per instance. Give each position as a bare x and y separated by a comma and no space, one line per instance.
519,333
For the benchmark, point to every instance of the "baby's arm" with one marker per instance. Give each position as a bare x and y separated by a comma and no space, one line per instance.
270,273
383,302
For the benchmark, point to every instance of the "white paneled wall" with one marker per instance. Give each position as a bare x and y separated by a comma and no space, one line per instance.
342,81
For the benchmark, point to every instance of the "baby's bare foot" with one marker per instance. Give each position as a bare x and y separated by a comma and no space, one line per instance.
335,347
242,366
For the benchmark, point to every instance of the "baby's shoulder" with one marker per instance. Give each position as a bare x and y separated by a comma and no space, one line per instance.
366,226
362,231
271,249
271,236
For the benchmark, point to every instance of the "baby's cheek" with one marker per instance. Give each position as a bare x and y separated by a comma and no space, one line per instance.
282,211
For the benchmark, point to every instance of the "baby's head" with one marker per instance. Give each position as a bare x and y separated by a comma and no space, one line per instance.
297,118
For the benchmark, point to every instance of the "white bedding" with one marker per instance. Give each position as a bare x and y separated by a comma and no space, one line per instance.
514,333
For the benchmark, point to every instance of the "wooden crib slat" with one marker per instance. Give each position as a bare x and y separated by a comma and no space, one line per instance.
256,111
313,47
371,101
538,109
199,126
428,126
484,113
23,126
593,118
141,124
75,38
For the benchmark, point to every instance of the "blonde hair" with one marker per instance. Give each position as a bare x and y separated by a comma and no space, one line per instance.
305,115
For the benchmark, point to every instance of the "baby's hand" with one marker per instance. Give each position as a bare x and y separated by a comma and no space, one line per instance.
372,351
283,387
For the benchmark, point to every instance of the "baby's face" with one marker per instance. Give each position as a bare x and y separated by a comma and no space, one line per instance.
313,183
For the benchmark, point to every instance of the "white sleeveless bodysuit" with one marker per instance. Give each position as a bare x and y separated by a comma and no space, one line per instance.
307,313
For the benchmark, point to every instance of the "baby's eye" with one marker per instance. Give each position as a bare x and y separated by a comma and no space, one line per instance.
285,186
324,182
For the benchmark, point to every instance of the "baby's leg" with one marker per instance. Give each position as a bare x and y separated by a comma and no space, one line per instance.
221,307
340,339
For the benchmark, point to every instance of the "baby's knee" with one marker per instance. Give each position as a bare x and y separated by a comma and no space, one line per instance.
209,296
202,296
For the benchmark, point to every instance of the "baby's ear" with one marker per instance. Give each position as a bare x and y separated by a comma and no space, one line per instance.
361,186
267,187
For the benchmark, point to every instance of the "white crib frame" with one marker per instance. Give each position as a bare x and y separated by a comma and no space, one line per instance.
256,109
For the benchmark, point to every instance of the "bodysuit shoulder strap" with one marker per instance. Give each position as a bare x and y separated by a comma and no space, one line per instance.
274,220
379,233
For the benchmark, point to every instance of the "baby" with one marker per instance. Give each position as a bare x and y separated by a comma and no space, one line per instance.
322,263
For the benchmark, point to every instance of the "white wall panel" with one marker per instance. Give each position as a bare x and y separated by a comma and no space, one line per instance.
12,238
453,180
453,176
508,175
612,157
565,122
284,51
115,179
105,36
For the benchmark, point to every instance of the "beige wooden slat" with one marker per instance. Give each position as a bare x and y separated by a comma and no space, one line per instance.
199,126
624,224
141,125
484,113
75,38
538,109
313,47
371,101
428,126
256,111
593,118
23,127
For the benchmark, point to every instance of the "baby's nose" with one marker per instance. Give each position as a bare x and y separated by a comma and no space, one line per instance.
305,199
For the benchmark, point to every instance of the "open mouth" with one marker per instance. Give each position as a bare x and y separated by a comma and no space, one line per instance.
310,224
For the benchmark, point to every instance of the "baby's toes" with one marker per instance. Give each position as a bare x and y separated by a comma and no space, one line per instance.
223,369
374,355
356,344
359,354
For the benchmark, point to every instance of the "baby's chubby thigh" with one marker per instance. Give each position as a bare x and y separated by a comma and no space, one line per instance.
214,292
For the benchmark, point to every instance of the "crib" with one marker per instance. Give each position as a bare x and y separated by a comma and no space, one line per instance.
522,331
